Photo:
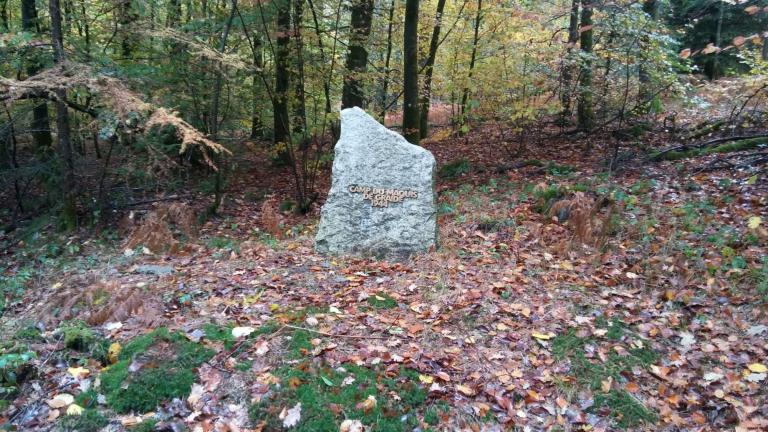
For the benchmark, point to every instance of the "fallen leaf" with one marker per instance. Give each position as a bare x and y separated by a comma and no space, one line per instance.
426,379
368,404
239,332
758,368
61,400
468,391
78,372
542,336
351,426
291,416
113,352
75,410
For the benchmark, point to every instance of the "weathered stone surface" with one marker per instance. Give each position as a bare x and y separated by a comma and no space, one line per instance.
382,199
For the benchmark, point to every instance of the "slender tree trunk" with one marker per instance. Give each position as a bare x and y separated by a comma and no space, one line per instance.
41,124
86,28
69,210
566,94
282,74
586,114
411,72
388,57
357,58
651,8
718,41
127,17
328,76
299,102
214,126
4,24
173,18
257,126
426,93
475,39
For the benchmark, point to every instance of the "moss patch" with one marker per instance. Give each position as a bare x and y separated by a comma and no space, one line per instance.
89,421
152,368
328,396
381,300
455,169
626,411
727,147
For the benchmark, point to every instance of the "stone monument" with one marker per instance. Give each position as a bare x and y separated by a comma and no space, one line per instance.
382,198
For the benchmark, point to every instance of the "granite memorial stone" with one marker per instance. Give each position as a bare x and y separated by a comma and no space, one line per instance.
382,199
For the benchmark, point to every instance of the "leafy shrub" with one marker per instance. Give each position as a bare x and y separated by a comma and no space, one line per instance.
13,368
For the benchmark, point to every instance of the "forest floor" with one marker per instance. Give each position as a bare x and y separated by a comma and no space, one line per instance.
645,308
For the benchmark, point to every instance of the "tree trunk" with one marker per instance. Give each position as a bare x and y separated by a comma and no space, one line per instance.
299,102
41,124
566,94
411,72
174,14
586,115
214,126
282,75
127,16
4,24
428,68
651,8
475,38
718,41
257,126
388,57
357,57
69,211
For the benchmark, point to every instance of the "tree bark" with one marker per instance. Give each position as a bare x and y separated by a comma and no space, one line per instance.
257,126
357,57
411,72
388,57
4,24
282,74
299,120
475,39
586,115
651,8
426,93
41,123
69,210
718,41
566,94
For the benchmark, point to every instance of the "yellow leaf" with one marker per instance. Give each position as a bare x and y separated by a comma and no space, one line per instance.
758,368
74,410
78,372
426,379
752,180
542,336
114,352
754,222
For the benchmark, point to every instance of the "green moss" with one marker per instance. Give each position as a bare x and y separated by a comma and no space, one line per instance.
381,300
325,402
145,426
627,411
455,169
730,146
90,420
591,373
165,363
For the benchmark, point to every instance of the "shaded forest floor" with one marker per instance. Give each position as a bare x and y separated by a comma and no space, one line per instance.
565,296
